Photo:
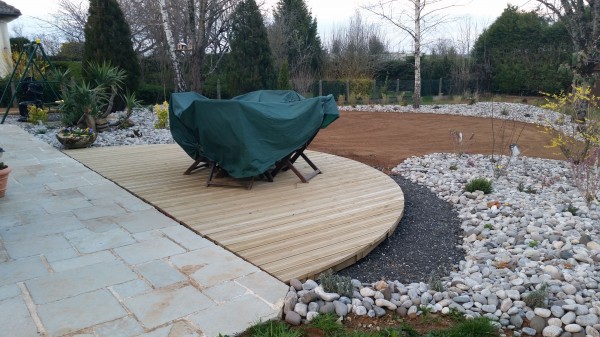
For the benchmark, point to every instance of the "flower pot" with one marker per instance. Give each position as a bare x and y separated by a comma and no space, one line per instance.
75,141
4,180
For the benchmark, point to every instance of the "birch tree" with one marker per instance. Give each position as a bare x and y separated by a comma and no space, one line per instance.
582,20
415,18
180,83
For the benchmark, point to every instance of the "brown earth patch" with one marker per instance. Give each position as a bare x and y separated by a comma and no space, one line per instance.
385,139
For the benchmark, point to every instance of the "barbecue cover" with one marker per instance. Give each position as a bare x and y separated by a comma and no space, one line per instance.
247,134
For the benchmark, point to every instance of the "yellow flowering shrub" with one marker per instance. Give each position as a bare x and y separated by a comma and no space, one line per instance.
35,114
162,115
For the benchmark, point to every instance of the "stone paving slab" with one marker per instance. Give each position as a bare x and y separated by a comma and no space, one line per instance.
79,256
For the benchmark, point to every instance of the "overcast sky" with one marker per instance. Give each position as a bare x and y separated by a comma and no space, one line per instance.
329,13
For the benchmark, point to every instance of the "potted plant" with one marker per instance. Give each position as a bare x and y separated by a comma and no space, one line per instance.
76,138
83,102
4,171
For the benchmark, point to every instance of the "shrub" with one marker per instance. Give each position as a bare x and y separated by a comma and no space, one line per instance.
341,100
36,114
479,327
334,283
162,115
479,184
537,298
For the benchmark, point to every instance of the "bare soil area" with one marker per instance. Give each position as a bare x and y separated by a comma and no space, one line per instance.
385,139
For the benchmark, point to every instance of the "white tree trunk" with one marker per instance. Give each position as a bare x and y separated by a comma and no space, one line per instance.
171,47
417,54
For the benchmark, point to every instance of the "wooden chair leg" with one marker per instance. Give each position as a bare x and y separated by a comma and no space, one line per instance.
198,164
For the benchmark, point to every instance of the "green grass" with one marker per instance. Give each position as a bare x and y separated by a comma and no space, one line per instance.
328,323
479,184
273,329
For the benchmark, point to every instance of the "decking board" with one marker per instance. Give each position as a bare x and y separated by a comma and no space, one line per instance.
287,228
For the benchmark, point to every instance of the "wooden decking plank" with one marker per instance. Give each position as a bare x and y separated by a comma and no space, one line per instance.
288,228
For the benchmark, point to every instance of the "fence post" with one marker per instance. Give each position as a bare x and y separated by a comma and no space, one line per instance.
397,86
440,88
347,90
320,87
218,89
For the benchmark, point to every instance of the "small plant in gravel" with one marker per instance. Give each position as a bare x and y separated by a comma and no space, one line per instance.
572,209
435,282
334,283
488,226
162,115
453,167
533,243
537,298
531,190
479,184
461,146
402,331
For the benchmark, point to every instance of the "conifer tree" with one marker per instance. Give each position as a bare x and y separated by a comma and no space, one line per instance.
296,37
283,79
108,39
250,60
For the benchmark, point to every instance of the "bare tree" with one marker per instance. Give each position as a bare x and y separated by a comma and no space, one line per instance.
202,25
415,18
69,21
582,20
180,83
355,49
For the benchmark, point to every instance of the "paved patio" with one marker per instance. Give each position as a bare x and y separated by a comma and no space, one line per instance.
80,256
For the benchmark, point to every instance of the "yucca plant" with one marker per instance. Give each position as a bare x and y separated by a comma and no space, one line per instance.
109,78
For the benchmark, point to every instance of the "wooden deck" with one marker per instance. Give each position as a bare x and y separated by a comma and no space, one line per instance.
287,228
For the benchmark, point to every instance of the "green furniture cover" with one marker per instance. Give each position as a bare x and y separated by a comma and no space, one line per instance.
247,134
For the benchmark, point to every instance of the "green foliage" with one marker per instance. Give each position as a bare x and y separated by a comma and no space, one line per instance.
108,39
334,283
283,78
151,93
250,65
537,298
35,114
294,37
273,329
572,209
70,51
478,327
488,226
74,68
402,331
81,98
17,43
162,115
341,100
435,282
328,323
521,53
479,184
533,243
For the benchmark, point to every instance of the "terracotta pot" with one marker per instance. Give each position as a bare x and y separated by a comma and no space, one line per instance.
71,141
4,180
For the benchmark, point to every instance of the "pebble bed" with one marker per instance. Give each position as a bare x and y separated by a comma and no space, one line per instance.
534,230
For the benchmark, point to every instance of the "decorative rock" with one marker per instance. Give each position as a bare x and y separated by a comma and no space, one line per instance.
327,308
301,309
341,309
293,318
309,285
590,331
529,331
309,297
573,328
461,299
311,315
516,320
555,321
537,323
296,284
381,285
551,331
544,313
569,289
587,320
313,306
506,304
557,311
289,302
367,292
568,318
325,296
379,311
380,302
360,311
412,312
